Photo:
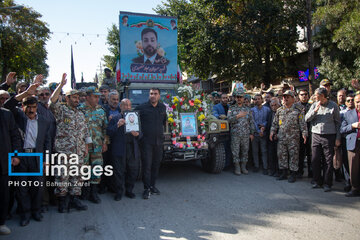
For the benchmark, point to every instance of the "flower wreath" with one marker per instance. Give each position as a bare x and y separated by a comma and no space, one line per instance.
188,100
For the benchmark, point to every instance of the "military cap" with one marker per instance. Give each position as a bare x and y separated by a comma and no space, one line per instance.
92,90
247,96
289,93
72,92
238,92
104,87
107,70
52,86
325,82
215,94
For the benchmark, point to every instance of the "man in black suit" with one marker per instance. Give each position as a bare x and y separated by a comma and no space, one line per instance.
149,41
153,118
35,131
10,141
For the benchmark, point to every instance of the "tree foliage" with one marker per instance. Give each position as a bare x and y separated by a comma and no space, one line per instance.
113,40
236,40
23,39
339,38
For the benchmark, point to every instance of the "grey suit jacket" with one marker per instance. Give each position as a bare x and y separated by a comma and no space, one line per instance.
350,117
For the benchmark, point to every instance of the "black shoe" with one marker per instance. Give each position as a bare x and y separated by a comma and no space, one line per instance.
315,185
154,190
63,204
292,177
94,197
118,197
146,194
265,172
37,216
327,188
283,175
272,173
347,187
24,221
130,195
276,174
352,194
256,169
77,204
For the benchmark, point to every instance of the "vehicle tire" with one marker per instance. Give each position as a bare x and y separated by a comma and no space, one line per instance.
215,162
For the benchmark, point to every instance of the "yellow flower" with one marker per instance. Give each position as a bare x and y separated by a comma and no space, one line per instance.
201,117
170,120
175,100
171,115
197,102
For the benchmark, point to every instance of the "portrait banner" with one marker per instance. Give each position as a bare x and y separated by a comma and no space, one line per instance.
148,48
132,121
188,124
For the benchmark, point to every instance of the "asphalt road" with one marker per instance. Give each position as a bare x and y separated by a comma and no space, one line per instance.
197,205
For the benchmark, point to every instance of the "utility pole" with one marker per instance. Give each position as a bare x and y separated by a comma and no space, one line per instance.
310,45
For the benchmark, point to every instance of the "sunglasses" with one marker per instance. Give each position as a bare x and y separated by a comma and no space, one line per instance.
44,94
303,94
239,96
350,100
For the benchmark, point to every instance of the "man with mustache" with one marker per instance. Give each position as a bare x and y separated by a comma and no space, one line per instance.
149,39
35,132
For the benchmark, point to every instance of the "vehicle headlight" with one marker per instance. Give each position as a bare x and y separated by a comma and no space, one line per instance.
213,126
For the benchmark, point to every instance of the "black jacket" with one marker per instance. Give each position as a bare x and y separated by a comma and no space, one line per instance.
43,139
10,138
152,121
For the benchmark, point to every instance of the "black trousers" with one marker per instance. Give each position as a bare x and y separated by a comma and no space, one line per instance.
125,171
151,159
29,195
272,156
4,198
305,150
323,145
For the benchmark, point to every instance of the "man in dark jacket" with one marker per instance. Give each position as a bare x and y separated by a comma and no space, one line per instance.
153,119
124,155
36,139
10,141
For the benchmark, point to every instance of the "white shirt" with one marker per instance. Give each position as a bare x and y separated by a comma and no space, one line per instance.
151,59
31,133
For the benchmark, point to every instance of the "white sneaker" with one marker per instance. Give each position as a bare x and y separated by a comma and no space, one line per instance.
4,230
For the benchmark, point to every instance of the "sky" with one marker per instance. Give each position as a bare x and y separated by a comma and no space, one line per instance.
76,17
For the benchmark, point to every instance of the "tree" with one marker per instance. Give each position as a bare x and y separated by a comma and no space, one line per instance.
113,40
339,38
23,39
245,40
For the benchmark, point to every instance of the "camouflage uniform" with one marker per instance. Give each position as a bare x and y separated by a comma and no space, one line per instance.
71,136
97,123
240,131
288,123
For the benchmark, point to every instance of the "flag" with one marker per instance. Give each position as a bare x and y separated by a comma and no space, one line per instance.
179,75
118,73
96,78
73,80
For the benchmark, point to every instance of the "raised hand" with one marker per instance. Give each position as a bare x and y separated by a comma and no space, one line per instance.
11,78
63,79
39,79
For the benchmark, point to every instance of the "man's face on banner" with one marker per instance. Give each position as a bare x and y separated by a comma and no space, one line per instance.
149,43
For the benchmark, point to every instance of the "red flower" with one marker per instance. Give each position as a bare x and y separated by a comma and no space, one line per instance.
191,102
201,109
173,106
174,124
168,96
202,94
181,103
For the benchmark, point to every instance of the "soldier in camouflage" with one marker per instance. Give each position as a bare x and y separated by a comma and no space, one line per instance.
97,123
72,137
242,129
288,123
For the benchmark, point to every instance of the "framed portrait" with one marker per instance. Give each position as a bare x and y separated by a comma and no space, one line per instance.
188,124
132,121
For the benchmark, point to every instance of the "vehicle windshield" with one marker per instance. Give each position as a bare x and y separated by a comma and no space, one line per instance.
139,96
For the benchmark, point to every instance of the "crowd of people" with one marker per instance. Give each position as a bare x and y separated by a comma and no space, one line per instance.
292,128
78,129
276,135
